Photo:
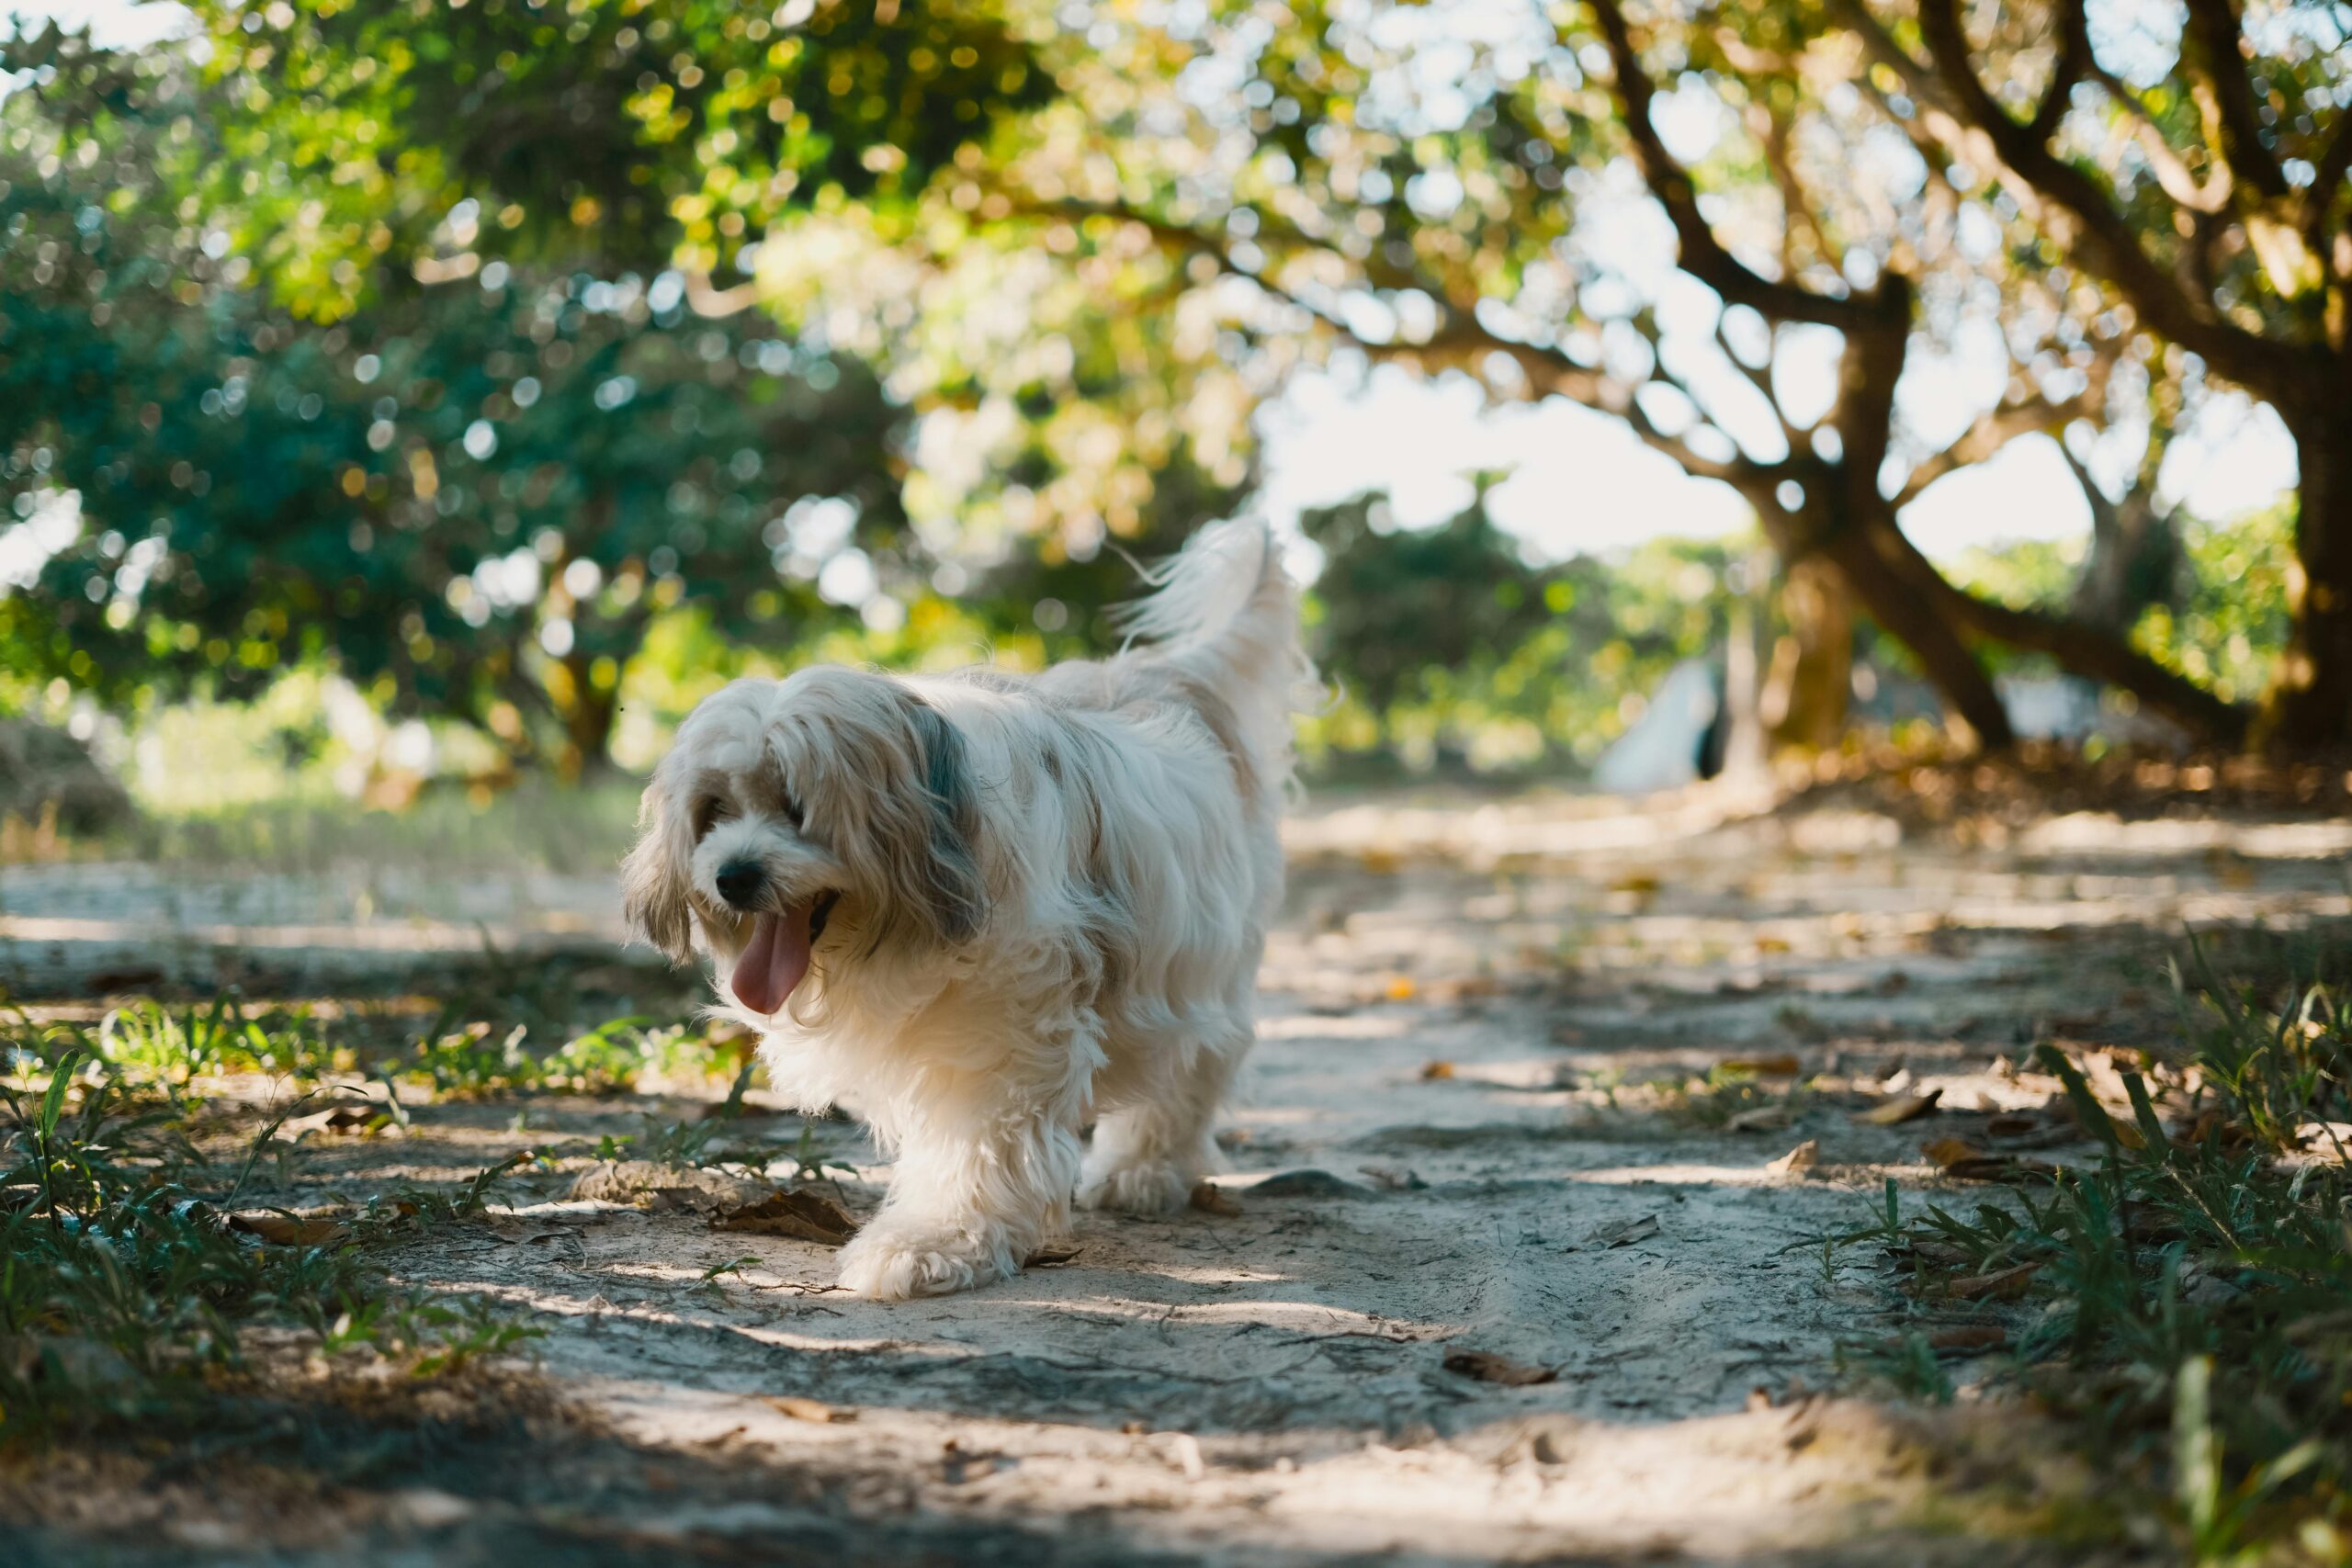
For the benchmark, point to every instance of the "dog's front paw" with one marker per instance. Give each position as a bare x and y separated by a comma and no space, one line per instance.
891,1263
1137,1187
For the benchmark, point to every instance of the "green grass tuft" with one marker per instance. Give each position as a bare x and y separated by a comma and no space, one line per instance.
2185,1299
134,1291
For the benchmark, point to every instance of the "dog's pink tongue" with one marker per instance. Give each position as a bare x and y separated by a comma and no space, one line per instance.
774,960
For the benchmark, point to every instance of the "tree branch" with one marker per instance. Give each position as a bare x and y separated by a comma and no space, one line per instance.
2065,199
1993,429
1772,130
1457,344
2105,514
1702,255
2214,29
1760,377
2172,174
2327,185
1554,372
716,304
2084,651
2074,60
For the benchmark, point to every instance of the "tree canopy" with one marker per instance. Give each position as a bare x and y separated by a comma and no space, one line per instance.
1827,252
475,492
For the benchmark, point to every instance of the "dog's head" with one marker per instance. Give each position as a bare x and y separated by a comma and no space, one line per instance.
832,812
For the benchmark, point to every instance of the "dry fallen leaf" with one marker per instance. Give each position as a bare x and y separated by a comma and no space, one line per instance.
2001,1285
287,1230
2124,1131
1430,1070
517,1232
1625,1233
651,1184
1999,1167
1052,1255
1488,1366
1762,1119
1801,1158
1906,1108
1784,1066
360,1119
2323,1137
2212,1123
1401,989
1211,1199
803,1215
1944,1153
1969,1336
815,1410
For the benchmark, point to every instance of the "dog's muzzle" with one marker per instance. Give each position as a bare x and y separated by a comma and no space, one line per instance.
741,882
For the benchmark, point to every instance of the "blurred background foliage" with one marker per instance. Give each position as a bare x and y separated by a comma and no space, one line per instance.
416,391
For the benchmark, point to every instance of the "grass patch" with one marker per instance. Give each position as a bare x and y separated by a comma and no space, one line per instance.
538,824
146,1287
2185,1299
132,1284
1749,1094
164,1045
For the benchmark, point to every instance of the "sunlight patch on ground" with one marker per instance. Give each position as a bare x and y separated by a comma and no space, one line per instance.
1818,1474
1313,1319
2084,832
1319,1026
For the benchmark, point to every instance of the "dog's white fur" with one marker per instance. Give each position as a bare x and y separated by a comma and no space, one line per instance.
1053,892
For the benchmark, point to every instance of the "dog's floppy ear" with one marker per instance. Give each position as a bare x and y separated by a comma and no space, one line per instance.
957,898
920,821
654,886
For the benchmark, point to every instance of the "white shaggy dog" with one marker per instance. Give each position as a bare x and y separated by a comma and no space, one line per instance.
981,911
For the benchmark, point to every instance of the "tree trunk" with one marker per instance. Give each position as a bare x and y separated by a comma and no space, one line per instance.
1747,750
1813,663
585,712
1851,528
2135,557
2309,707
1915,619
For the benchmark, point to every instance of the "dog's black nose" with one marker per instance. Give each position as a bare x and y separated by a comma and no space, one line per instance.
739,883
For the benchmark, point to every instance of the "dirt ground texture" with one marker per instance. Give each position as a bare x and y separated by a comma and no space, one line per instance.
1451,1140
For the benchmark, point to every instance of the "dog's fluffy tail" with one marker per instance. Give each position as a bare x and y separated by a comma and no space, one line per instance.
1225,613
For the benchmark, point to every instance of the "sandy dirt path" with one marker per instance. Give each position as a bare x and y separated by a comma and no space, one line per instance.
1451,1140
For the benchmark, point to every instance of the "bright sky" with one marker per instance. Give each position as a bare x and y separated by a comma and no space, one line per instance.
1580,480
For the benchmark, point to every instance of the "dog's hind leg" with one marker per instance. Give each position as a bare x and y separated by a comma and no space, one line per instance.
1148,1155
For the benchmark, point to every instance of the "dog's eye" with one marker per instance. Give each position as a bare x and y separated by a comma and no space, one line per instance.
709,812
